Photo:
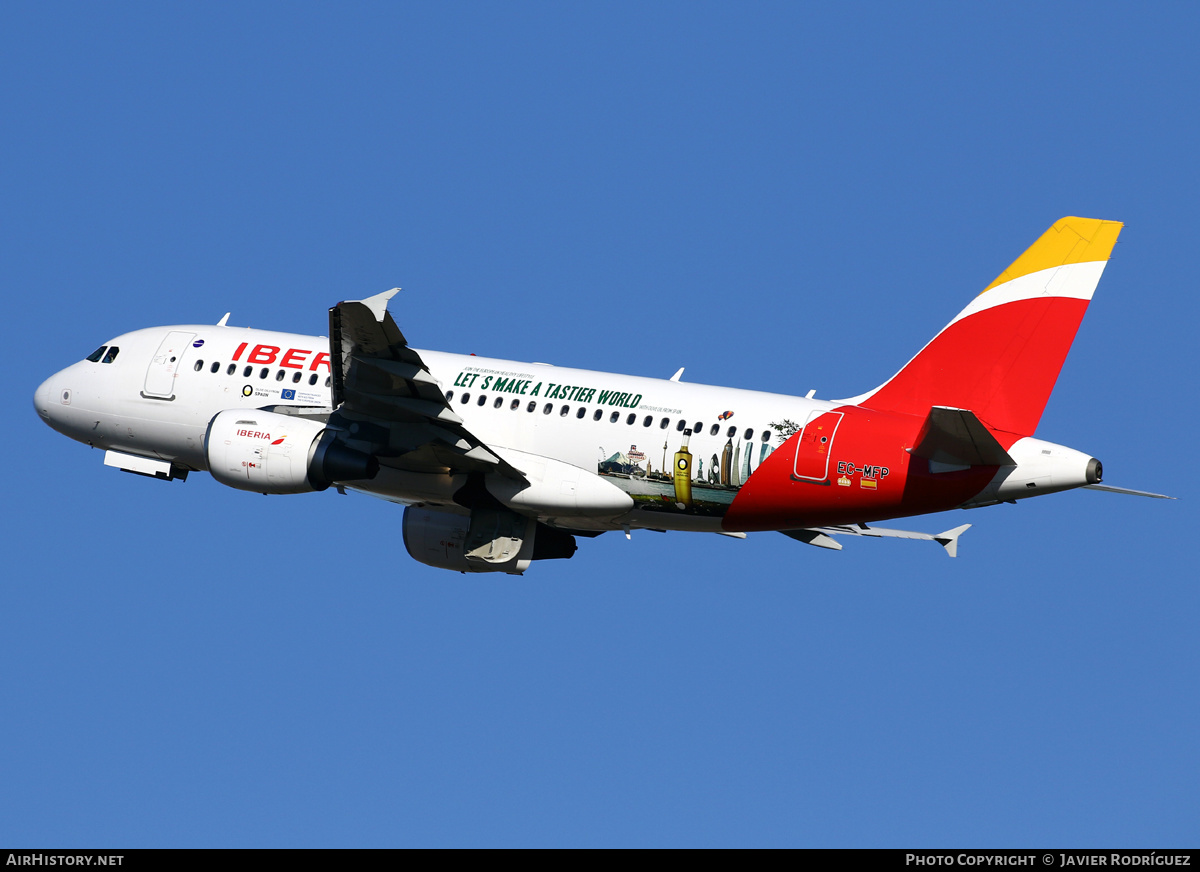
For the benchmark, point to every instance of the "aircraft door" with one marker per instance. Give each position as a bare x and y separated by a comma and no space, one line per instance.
815,445
160,376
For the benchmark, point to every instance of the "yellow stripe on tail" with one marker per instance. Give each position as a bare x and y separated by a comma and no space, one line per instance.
1069,240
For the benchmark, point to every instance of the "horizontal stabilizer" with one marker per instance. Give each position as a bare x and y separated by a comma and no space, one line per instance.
821,536
956,438
1124,490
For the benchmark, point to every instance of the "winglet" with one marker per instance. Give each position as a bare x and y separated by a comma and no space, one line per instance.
949,539
378,303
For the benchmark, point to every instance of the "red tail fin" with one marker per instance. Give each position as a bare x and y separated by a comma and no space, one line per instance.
1001,356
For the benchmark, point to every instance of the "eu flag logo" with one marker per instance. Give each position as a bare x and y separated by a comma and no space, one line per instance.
289,394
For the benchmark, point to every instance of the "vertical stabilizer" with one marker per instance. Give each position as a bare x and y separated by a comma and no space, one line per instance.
1001,356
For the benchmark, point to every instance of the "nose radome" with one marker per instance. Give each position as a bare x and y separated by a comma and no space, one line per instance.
45,397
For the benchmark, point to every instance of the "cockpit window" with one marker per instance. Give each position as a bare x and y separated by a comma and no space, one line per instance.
113,351
95,356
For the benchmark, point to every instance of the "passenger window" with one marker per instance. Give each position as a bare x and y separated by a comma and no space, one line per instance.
312,379
532,405
449,396
582,411
95,356
715,428
482,401
732,432
614,417
216,367
246,372
749,434
328,380
199,365
113,351
548,409
562,413
279,375
233,368
499,402
680,425
264,372
466,398
766,436
632,417
296,376
648,421
598,414
698,427
664,423
514,405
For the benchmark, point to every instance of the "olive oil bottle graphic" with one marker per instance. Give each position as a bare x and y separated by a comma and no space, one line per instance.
683,473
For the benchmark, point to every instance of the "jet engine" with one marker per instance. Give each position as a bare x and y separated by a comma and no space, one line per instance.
270,453
481,539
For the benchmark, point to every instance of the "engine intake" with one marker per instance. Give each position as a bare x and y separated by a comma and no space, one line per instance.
270,453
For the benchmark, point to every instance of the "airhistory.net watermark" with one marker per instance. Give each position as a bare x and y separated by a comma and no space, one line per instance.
36,858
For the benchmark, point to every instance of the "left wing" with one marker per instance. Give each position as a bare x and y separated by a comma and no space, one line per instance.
384,394
822,536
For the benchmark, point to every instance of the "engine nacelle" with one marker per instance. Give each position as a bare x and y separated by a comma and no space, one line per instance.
270,453
481,540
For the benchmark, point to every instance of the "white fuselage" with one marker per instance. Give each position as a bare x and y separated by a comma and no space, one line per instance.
157,402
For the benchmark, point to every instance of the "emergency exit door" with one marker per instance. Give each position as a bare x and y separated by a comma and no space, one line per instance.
815,445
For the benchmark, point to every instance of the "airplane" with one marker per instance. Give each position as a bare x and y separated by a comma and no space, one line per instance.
500,463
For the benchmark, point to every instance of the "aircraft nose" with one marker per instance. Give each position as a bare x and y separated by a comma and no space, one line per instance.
52,402
44,398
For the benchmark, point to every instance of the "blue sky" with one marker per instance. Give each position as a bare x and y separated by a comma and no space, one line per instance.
779,196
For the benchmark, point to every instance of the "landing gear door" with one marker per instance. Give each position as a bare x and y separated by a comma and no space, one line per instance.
814,446
160,377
